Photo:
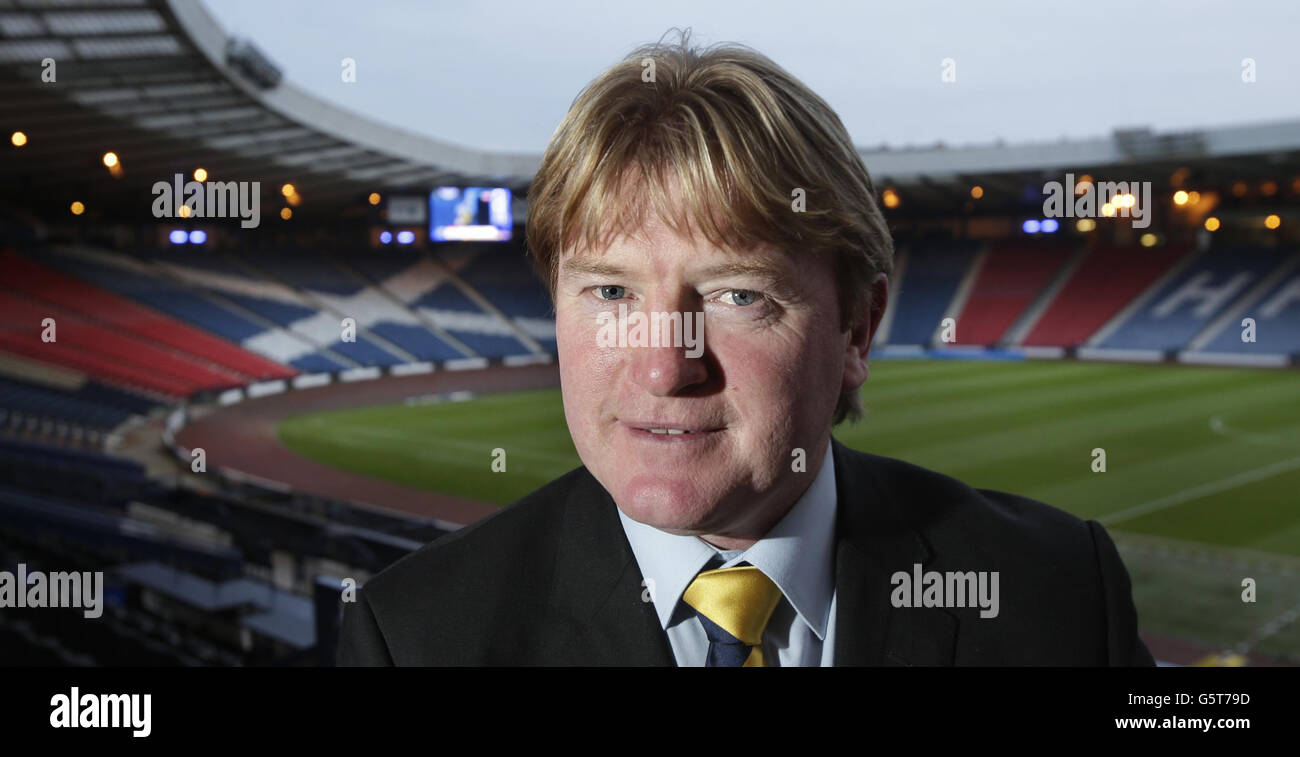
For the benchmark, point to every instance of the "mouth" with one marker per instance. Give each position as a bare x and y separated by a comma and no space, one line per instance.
670,432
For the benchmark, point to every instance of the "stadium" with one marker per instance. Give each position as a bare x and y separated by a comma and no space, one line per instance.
240,402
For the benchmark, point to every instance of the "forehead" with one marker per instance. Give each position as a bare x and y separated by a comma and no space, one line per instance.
656,247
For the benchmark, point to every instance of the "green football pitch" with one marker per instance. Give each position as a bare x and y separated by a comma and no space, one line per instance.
1201,487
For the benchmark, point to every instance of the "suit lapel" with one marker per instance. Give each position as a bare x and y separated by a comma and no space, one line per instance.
597,589
873,541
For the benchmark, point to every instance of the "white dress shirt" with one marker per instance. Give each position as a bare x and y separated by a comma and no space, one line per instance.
798,554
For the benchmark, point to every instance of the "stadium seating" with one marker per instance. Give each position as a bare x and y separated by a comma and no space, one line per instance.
157,367
1108,278
1013,275
930,279
43,284
22,400
504,277
1275,309
1207,287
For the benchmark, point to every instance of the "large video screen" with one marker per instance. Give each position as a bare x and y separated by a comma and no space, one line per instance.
470,214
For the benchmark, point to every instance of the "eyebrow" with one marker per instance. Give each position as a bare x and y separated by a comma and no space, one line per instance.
593,267
763,269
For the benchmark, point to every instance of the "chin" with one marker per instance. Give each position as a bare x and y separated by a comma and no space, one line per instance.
670,503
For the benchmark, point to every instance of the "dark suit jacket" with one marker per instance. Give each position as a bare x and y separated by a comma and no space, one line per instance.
551,580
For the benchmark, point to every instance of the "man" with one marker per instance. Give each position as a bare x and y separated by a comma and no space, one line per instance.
715,521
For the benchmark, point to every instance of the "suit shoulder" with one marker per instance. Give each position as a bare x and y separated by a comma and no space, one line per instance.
512,536
945,508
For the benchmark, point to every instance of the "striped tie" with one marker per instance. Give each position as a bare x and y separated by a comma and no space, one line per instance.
733,605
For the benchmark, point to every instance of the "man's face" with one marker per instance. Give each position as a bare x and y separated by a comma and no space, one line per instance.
774,363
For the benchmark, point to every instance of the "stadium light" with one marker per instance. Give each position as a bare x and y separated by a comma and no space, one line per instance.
374,198
110,159
200,174
1211,224
1031,226
286,213
406,236
1272,221
288,190
1181,197
1268,188
1239,189
198,236
977,191
184,211
1193,197
890,198
178,236
1148,240
1085,225
1050,225
294,199
77,208
385,237
18,139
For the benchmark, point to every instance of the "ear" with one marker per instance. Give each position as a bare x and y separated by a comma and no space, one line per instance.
858,343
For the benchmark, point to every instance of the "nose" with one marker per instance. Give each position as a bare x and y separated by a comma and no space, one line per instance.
667,370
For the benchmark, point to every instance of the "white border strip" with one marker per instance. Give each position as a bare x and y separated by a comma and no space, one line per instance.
1272,360
265,388
1042,353
360,374
1121,355
514,360
309,380
411,369
466,364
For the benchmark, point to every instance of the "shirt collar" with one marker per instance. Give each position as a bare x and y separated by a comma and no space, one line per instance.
797,554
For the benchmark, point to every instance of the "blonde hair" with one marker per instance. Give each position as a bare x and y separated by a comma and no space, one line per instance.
736,135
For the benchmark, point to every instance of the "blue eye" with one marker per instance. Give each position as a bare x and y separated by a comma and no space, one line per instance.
611,292
743,297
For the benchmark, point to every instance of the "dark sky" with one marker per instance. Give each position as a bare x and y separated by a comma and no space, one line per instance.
499,75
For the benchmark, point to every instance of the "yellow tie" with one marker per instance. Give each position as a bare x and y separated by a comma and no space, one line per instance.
740,601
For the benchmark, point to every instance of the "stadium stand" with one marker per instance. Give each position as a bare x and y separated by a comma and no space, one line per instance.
503,276
1167,317
49,286
1275,308
933,273
1108,278
1011,277
19,401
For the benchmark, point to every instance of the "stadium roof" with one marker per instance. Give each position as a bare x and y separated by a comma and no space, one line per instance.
1219,157
160,84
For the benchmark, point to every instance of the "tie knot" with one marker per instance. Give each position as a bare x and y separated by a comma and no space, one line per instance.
740,600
